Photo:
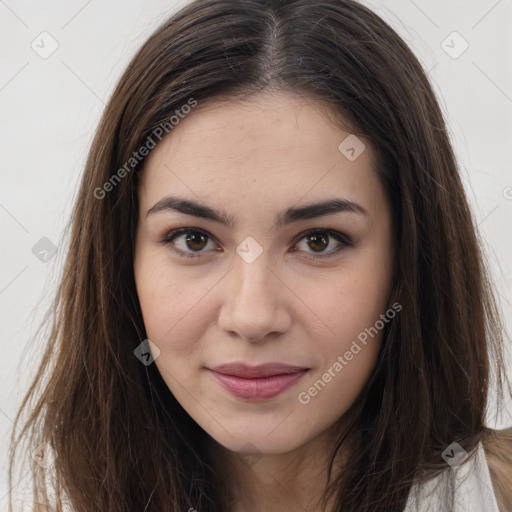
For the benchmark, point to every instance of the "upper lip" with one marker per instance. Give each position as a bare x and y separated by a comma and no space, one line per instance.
262,370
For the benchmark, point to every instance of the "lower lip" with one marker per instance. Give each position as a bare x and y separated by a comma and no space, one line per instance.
262,388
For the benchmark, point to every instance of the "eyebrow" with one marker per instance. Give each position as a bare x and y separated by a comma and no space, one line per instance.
284,217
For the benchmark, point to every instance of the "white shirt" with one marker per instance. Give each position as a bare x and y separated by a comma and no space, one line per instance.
471,489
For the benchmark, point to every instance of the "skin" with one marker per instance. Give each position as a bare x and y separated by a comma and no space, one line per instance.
254,157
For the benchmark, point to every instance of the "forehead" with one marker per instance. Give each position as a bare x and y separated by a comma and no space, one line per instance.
279,147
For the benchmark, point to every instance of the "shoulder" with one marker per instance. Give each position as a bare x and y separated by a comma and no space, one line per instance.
498,453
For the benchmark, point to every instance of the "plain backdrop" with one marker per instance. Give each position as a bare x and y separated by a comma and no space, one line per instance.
50,105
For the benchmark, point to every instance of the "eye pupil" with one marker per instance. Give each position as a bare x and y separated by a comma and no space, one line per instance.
193,238
316,239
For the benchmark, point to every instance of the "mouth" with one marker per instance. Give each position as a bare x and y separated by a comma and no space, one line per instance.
257,383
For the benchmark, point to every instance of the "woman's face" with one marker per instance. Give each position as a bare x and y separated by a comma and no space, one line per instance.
245,285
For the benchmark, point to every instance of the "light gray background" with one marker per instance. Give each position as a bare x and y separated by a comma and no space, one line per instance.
50,107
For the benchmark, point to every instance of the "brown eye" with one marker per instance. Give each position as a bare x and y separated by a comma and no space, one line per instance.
196,241
187,242
318,240
193,242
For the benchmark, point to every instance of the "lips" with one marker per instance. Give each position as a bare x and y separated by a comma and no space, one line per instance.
263,370
260,382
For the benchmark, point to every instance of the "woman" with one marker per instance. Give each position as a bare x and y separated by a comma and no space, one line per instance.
274,297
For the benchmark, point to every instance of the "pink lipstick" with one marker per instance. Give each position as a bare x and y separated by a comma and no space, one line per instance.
260,382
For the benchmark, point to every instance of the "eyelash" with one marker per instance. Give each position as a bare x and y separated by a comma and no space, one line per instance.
339,237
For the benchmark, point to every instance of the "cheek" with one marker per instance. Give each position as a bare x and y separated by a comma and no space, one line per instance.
347,355
350,307
332,390
170,302
167,299
352,299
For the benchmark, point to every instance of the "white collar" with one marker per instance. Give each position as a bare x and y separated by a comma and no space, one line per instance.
469,483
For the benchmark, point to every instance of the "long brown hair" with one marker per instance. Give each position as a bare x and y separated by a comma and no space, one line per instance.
123,442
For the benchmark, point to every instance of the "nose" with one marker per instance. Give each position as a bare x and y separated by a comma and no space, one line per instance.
256,302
